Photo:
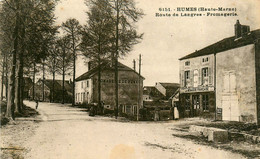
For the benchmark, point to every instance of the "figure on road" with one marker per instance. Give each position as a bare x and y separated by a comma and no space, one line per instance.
37,103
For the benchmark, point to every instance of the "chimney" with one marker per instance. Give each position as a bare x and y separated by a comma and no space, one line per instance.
89,65
134,64
241,30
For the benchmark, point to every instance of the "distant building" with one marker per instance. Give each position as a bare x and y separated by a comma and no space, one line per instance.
161,91
27,84
48,90
86,90
150,93
167,89
225,74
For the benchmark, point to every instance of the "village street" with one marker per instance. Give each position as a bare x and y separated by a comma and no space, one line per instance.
63,132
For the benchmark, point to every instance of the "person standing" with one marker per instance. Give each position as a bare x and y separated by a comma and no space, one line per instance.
37,103
176,112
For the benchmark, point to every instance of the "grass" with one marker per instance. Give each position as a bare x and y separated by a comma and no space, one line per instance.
27,112
235,147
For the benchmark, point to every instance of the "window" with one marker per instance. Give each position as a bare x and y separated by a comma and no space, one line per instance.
229,81
186,78
87,83
81,97
205,102
87,96
205,75
187,63
187,102
205,59
81,84
196,101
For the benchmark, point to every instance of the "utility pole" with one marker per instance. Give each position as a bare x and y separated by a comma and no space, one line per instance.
139,89
134,64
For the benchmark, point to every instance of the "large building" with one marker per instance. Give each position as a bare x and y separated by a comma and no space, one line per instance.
223,79
51,89
27,83
130,88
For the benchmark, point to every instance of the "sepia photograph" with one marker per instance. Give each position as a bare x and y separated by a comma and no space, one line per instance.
129,79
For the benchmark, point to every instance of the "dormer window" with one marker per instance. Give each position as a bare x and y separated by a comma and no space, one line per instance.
205,59
187,63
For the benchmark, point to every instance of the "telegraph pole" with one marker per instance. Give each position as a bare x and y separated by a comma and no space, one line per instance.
139,89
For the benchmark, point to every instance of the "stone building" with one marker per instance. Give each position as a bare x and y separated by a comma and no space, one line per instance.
48,91
130,91
224,76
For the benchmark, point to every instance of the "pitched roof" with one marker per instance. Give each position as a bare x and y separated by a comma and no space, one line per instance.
58,84
152,91
170,85
104,66
226,44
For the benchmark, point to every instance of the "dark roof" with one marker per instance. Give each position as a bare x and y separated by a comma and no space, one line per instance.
152,91
27,83
58,84
170,85
104,66
226,44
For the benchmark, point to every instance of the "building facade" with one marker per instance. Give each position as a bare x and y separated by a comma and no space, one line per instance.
51,94
223,78
130,85
167,89
197,86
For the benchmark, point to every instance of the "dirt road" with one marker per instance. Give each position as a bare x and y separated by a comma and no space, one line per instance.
63,132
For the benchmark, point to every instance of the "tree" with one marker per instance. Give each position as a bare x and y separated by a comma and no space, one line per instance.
65,61
97,37
125,15
25,23
72,29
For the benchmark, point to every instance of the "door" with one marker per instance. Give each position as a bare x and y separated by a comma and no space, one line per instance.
195,105
229,98
230,108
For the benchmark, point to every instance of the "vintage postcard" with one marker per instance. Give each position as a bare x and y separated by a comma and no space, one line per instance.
130,79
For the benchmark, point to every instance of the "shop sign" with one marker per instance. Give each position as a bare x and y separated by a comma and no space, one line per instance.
197,89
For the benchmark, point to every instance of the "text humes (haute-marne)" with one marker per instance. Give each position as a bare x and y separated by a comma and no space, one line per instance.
196,12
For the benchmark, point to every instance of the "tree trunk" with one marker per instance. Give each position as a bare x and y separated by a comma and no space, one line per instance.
3,76
11,92
52,93
6,78
17,88
116,62
99,77
43,81
33,86
21,79
63,76
74,69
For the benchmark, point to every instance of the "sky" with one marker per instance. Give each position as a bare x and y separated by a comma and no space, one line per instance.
166,39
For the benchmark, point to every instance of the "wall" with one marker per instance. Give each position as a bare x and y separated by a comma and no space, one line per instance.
128,88
160,88
195,84
82,88
257,66
236,83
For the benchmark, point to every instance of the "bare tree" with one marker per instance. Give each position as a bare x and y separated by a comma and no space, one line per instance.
125,15
65,61
96,37
72,30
